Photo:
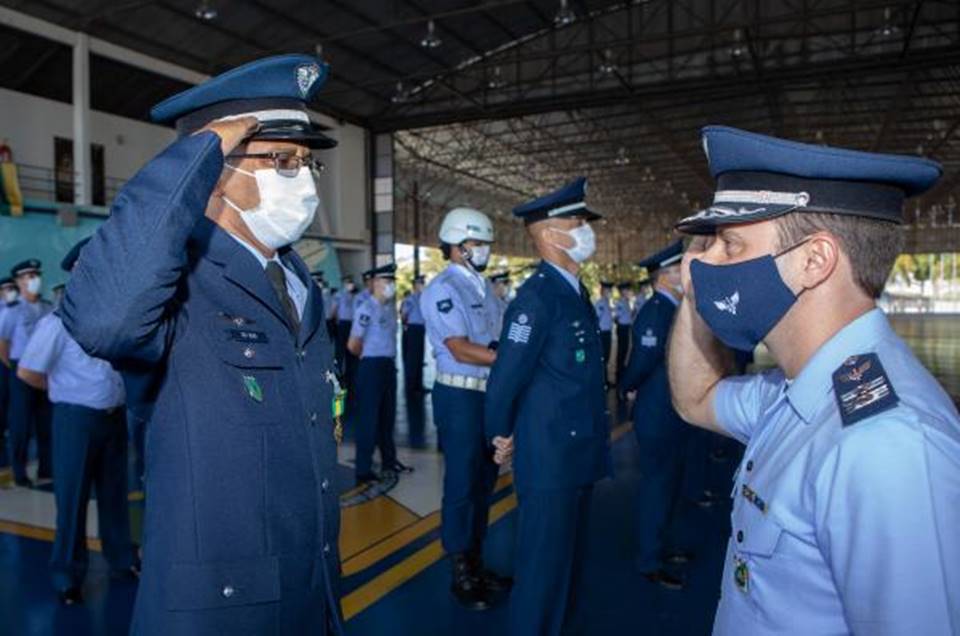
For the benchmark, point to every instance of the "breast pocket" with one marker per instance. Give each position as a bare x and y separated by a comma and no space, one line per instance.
252,365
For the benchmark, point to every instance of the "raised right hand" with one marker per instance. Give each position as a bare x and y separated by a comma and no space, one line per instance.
232,132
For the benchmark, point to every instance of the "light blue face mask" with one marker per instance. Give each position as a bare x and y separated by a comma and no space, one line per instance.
742,302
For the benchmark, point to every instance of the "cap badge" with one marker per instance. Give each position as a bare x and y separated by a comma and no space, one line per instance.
306,76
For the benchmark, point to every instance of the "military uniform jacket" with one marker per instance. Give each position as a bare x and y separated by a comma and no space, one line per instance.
547,386
845,512
646,372
242,518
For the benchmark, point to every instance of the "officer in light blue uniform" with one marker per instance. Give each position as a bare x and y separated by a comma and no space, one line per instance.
191,286
8,298
345,300
605,320
414,336
89,449
462,312
845,510
28,413
546,399
623,316
661,434
373,339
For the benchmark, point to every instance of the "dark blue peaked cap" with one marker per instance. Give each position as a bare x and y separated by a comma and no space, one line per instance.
275,89
570,200
385,271
669,255
6,281
71,258
760,177
25,267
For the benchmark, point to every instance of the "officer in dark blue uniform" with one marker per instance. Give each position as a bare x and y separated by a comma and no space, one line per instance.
28,413
192,282
545,396
661,434
373,340
89,449
8,298
414,337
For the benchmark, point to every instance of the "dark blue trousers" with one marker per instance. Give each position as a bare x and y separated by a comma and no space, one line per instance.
376,390
551,550
413,344
469,474
340,344
28,415
623,348
606,341
4,405
89,449
661,466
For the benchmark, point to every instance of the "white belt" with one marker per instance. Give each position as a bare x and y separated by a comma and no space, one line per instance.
462,381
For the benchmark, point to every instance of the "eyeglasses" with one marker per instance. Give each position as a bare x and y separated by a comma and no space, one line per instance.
285,163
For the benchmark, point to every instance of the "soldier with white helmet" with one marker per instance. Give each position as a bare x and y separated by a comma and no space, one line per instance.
460,307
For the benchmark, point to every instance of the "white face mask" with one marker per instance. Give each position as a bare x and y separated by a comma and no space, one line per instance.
479,256
584,242
34,285
389,290
10,296
286,209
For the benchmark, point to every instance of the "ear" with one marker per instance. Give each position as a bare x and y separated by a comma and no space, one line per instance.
818,259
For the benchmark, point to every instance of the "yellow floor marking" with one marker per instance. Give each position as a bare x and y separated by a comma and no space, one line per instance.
370,522
36,532
136,495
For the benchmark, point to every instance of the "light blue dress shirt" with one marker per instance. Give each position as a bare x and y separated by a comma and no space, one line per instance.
460,304
604,313
19,322
843,529
345,302
376,324
73,377
411,309
624,312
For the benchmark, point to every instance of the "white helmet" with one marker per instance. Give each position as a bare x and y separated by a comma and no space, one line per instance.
466,224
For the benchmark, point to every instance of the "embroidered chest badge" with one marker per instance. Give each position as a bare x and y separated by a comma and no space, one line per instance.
581,356
741,574
862,388
253,388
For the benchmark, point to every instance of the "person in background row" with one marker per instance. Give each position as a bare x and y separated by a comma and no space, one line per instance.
373,339
461,312
8,298
326,295
660,433
28,413
89,450
345,301
414,334
546,398
623,316
502,291
845,510
605,320
192,288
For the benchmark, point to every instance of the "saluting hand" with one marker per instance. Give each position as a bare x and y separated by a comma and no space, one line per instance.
232,132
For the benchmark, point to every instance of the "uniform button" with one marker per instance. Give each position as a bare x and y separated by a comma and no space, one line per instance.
249,353
313,418
326,548
228,591
749,465
301,353
573,433
739,536
324,485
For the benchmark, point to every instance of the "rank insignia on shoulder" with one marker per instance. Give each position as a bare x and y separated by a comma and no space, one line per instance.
253,388
862,388
444,306
520,330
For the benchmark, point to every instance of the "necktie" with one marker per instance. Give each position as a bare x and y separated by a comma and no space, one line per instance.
279,283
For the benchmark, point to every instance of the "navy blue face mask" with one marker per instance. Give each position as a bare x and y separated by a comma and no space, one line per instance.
742,302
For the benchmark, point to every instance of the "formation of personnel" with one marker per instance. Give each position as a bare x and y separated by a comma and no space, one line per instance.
233,359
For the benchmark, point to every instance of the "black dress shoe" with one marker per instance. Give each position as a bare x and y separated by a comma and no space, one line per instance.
23,483
491,580
398,467
71,596
664,579
367,478
467,587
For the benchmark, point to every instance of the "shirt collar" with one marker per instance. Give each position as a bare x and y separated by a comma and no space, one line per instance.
807,391
668,296
570,278
263,260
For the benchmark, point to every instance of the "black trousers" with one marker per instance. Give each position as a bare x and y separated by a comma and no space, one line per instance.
623,348
413,345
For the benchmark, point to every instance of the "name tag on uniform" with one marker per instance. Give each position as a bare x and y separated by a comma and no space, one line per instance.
648,339
246,335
